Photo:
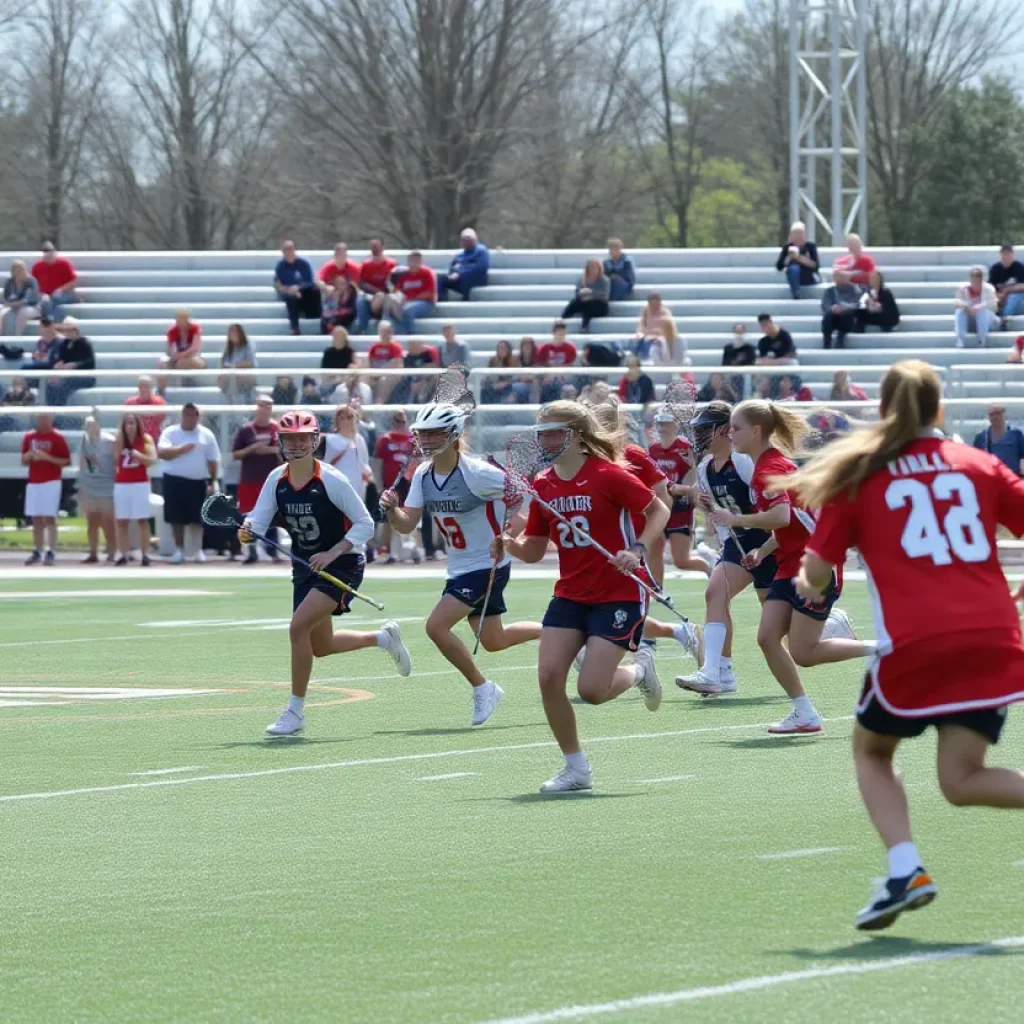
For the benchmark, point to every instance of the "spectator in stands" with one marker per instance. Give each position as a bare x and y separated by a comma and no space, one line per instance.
339,308
557,352
255,447
635,388
374,286
878,305
74,353
352,391
468,269
44,355
20,302
591,299
1006,443
19,393
775,347
500,389
418,389
839,306
293,281
310,393
184,348
1017,352
657,337
45,451
415,294
339,355
975,308
453,350
134,454
855,265
56,278
619,270
237,355
385,354
712,388
789,389
191,454
798,260
845,391
527,387
96,489
346,450
337,271
1007,277
151,424
738,352
284,392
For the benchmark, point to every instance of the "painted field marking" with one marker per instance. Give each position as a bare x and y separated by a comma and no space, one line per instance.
56,595
765,981
443,778
36,696
817,851
374,761
1018,863
169,771
250,623
667,778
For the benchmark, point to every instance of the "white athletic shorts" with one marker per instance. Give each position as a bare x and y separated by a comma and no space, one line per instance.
42,499
131,501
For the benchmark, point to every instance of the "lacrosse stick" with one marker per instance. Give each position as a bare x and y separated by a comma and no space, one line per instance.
513,498
523,456
220,510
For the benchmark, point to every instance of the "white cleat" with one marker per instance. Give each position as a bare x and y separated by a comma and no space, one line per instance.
694,642
485,699
648,684
797,724
178,557
396,649
200,556
288,724
578,660
702,683
569,780
838,625
726,683
709,554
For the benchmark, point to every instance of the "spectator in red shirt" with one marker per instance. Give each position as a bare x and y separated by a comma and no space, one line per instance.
338,281
184,347
255,447
557,352
389,456
56,278
791,390
385,354
151,424
374,286
45,451
417,287
855,266
844,391
1017,352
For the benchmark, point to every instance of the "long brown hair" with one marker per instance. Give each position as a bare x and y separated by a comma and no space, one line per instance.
140,434
780,426
911,397
231,347
593,439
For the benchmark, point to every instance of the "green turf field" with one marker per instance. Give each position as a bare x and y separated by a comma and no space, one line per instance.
396,865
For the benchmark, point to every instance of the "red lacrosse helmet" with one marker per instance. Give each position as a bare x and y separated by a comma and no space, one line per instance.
298,434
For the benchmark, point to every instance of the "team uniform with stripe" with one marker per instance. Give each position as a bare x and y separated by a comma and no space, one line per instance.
467,508
948,634
591,595
676,461
317,516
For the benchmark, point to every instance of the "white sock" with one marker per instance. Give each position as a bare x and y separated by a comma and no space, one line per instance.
295,704
714,641
383,639
726,662
903,859
803,706
577,762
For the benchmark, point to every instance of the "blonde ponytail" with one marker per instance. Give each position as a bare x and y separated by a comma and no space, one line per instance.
594,440
781,427
911,396
613,421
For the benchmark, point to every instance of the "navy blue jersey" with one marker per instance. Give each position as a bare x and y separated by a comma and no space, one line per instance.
729,486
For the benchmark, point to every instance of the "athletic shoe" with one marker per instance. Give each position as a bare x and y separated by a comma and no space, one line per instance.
200,556
709,554
252,558
700,682
34,559
287,725
416,556
111,559
796,723
569,780
485,699
123,560
390,560
145,561
893,896
727,678
648,684
578,660
397,650
838,625
178,557
90,560
693,641
49,558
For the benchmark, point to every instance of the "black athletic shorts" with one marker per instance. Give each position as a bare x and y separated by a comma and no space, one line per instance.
349,569
763,575
785,590
183,500
620,622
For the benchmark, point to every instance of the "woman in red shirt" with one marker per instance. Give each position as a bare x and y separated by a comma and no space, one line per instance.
184,347
134,453
417,288
596,604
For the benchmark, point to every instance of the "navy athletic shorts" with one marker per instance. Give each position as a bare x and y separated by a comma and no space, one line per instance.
349,569
785,590
470,588
619,622
764,574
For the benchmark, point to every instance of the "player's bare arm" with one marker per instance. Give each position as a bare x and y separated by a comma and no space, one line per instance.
776,518
815,575
402,519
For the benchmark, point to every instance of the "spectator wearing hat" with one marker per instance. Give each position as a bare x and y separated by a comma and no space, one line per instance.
469,267
255,447
415,294
73,353
45,451
56,278
1007,277
619,270
294,284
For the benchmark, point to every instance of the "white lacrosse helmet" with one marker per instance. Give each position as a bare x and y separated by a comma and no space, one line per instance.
439,416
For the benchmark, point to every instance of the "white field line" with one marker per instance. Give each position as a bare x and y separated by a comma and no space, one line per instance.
443,778
169,771
1018,863
667,778
373,761
59,595
813,852
765,981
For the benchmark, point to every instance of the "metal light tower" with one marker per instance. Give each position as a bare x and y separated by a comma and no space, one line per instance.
828,171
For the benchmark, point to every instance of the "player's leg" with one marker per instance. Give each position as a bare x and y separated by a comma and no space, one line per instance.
685,633
499,635
683,556
964,778
143,526
613,629
39,533
776,620
602,675
558,647
808,649
655,560
50,526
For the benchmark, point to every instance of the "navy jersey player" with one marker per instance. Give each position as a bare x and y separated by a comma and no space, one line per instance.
463,495
329,527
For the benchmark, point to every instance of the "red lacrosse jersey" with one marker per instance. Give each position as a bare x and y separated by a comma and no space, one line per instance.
647,471
392,449
128,469
600,499
792,539
675,462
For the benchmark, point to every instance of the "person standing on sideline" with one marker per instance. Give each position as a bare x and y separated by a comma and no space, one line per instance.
256,447
192,454
45,451
151,424
96,489
389,456
1006,443
134,455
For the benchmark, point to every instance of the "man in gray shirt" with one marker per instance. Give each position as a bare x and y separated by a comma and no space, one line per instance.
1004,442
839,305
453,351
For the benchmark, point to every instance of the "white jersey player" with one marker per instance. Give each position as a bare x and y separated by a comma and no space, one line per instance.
464,496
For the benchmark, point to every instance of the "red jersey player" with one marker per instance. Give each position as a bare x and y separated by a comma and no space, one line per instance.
763,430
922,511
595,602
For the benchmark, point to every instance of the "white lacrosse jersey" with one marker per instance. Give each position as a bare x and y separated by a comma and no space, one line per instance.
467,507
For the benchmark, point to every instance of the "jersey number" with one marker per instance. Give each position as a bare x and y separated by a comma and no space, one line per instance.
961,533
569,538
452,532
305,528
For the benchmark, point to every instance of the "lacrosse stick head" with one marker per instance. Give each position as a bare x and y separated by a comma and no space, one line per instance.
220,510
451,385
711,422
677,408
515,493
523,458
